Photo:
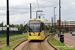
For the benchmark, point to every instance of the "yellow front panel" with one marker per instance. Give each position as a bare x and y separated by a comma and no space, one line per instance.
34,36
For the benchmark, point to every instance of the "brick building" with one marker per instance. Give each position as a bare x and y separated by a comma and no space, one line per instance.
69,24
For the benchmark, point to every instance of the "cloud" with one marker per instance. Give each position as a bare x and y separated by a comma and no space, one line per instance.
20,10
19,18
2,12
17,11
2,18
2,3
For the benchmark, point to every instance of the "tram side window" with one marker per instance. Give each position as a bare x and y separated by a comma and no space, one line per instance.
42,26
28,27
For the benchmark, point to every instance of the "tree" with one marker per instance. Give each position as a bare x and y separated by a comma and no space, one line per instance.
25,27
66,29
49,27
21,27
17,26
1,24
55,27
11,25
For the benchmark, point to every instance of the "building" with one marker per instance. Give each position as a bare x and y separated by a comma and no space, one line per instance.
10,29
48,23
64,24
69,24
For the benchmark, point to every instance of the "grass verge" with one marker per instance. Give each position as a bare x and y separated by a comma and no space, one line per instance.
11,45
13,38
59,45
13,42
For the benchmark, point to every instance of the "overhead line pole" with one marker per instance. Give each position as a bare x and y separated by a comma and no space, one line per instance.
54,15
60,16
37,4
7,22
24,25
61,34
65,23
54,18
62,25
36,14
30,12
52,23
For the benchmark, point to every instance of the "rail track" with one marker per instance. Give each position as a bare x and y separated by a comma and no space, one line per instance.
35,45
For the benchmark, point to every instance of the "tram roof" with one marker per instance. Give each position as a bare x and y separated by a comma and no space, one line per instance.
36,19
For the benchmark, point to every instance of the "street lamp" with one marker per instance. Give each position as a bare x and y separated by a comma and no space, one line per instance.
54,18
24,25
38,11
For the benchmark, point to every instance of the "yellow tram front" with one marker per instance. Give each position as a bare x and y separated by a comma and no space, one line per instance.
35,29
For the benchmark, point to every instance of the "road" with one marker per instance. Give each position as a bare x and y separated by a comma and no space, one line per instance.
69,36
69,39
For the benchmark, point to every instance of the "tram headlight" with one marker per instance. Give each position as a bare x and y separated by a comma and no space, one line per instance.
39,34
30,34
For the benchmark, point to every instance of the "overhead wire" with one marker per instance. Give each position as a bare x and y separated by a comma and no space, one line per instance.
37,4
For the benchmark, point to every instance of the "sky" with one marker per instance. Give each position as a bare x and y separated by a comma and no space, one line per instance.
19,10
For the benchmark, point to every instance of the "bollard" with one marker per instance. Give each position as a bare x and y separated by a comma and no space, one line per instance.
62,38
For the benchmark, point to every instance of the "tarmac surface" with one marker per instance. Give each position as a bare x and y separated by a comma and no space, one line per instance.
68,39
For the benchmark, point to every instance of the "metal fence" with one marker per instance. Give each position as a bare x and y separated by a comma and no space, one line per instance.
11,33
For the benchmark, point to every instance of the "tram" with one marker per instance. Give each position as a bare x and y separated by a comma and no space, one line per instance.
36,29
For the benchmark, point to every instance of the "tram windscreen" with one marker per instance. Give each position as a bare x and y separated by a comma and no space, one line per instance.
34,27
